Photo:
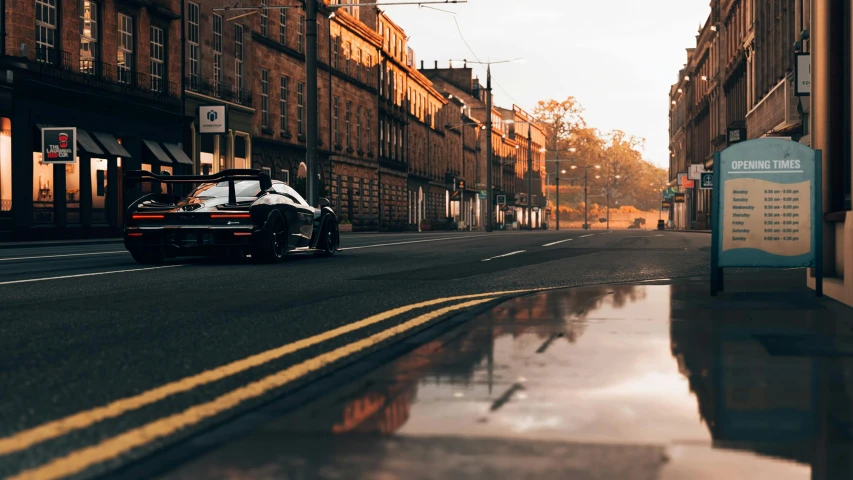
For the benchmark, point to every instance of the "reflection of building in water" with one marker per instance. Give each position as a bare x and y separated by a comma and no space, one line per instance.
777,389
455,357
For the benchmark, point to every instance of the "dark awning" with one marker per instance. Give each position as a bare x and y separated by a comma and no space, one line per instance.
178,153
158,152
84,140
111,144
87,143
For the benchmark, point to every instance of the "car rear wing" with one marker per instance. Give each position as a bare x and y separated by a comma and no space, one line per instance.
142,176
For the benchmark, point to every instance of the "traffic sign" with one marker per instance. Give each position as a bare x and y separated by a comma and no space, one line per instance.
707,181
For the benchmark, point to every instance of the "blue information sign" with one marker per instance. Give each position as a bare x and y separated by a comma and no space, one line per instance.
767,207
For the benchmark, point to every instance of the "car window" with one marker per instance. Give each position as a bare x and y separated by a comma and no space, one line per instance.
290,193
212,190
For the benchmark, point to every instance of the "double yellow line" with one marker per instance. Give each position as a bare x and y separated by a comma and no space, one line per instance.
81,459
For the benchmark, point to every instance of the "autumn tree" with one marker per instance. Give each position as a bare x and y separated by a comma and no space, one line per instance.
623,178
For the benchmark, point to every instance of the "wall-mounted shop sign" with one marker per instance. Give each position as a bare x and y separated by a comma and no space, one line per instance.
59,144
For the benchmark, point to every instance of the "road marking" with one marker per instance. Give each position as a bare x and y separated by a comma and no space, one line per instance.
81,459
406,243
504,255
63,255
30,280
86,419
557,243
590,235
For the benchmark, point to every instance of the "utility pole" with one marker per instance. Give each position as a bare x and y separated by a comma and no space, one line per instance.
529,174
491,199
312,134
556,130
585,199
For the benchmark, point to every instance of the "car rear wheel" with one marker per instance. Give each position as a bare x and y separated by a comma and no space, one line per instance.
272,246
330,239
147,256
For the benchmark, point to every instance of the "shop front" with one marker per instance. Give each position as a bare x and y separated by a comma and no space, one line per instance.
43,200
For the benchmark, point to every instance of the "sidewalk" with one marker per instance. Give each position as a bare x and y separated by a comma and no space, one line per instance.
644,381
60,243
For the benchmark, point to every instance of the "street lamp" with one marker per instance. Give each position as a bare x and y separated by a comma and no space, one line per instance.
585,192
489,184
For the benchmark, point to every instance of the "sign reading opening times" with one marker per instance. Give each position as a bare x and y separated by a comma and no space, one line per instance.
767,193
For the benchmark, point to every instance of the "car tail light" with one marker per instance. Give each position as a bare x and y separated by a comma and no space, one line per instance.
137,234
230,215
242,234
146,216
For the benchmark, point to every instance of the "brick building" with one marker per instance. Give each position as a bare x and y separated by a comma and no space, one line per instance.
218,72
459,85
737,84
529,138
110,68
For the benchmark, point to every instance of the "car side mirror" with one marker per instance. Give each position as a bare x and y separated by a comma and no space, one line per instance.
324,202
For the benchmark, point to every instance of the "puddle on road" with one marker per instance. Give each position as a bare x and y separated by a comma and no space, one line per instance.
600,382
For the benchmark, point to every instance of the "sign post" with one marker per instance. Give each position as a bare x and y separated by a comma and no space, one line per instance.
767,193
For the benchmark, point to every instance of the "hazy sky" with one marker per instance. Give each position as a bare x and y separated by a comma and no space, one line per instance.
617,57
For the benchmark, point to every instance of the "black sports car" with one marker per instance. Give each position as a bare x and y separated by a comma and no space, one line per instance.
234,213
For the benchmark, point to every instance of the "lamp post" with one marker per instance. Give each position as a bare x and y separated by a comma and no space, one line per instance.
585,191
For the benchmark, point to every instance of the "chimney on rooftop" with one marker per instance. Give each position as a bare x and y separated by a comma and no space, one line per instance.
436,64
422,64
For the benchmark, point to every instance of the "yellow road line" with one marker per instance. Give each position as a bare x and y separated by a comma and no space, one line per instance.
79,460
85,419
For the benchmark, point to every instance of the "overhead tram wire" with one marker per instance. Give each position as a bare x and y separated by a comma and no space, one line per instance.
459,29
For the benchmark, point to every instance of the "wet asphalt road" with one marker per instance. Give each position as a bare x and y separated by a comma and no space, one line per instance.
84,326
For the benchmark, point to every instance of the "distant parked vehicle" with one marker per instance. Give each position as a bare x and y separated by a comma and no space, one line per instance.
661,225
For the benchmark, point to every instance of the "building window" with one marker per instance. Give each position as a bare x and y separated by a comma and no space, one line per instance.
238,61
193,40
283,103
264,18
336,131
369,67
347,51
369,120
43,190
285,176
358,66
125,48
300,109
158,57
300,33
335,52
265,98
46,31
217,53
348,120
88,37
282,26
5,164
358,127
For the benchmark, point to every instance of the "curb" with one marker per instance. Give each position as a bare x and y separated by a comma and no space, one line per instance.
60,243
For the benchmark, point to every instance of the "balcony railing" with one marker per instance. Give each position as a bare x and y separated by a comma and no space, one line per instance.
220,90
96,74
